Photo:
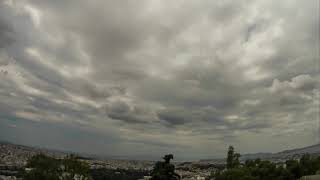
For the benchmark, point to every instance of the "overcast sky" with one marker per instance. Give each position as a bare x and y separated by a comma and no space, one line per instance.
148,77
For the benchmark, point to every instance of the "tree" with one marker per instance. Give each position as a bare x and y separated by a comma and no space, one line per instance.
260,169
294,168
73,166
48,168
164,170
43,167
230,157
236,161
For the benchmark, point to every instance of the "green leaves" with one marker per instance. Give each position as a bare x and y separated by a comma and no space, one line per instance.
48,168
232,158
164,170
266,170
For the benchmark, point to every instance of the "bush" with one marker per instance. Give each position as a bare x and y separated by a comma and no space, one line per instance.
48,168
266,170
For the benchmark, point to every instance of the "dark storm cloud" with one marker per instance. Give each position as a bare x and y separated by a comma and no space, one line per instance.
172,118
122,111
128,113
6,33
162,73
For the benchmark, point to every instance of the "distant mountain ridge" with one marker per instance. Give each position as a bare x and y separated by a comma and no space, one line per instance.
279,156
286,154
32,150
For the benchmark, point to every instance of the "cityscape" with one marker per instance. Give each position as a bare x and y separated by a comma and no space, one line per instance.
13,160
16,156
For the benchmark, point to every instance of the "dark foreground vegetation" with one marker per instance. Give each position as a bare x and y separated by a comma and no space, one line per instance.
164,170
42,167
266,170
119,174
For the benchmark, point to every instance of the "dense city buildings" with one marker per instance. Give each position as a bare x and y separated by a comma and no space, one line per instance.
14,157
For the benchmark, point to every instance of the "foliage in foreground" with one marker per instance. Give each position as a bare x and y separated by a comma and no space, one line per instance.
164,170
43,167
266,170
118,174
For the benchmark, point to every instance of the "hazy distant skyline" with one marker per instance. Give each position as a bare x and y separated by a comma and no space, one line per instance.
149,77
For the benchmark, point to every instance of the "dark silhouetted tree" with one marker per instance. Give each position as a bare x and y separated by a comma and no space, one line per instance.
164,170
43,167
236,160
230,157
48,168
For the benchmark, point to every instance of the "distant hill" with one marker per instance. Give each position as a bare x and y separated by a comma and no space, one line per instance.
279,156
284,155
27,151
14,154
32,149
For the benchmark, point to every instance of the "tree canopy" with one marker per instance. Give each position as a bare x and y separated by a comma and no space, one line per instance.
43,167
265,170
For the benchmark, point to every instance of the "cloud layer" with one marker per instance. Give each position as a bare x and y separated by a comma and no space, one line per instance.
149,77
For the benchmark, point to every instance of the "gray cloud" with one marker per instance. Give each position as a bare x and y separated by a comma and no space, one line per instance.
159,74
6,33
174,117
